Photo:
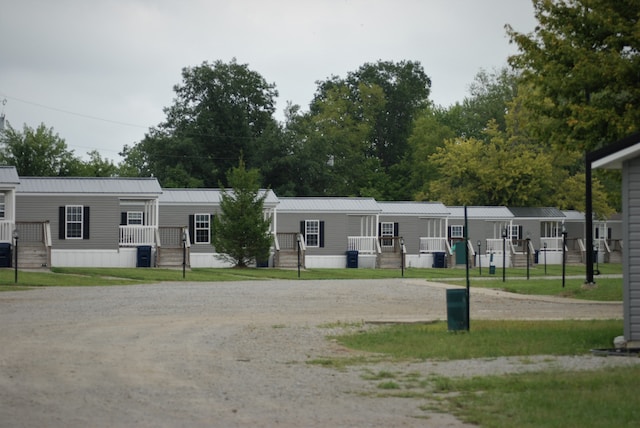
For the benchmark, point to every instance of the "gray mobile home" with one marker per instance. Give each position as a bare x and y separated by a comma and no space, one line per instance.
486,226
422,228
186,220
327,230
624,155
73,221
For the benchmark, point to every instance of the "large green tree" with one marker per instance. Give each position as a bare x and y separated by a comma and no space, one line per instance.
582,68
502,171
220,112
375,107
241,232
38,152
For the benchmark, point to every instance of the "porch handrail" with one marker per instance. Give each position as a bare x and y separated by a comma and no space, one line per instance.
6,230
134,235
433,244
495,246
47,234
553,243
363,244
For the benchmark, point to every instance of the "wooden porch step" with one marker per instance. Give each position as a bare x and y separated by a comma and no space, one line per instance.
288,259
389,260
168,257
32,256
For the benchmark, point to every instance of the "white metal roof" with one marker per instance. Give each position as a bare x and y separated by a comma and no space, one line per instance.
572,215
204,196
8,175
413,208
89,185
615,160
486,213
329,204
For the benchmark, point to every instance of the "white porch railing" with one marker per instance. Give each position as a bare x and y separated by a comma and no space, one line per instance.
553,244
434,245
495,246
363,244
132,236
6,231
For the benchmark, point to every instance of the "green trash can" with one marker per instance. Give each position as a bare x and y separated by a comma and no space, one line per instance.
457,309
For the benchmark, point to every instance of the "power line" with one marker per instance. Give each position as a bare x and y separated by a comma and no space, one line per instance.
86,116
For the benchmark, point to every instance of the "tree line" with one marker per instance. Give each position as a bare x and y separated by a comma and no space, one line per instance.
517,139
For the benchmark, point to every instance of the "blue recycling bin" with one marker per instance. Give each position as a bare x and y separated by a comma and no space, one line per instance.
144,256
352,259
5,254
439,260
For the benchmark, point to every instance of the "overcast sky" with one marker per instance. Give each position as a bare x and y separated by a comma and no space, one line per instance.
100,72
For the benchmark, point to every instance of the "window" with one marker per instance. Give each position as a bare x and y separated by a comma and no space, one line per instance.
312,233
74,221
515,232
457,231
202,226
2,205
134,218
387,232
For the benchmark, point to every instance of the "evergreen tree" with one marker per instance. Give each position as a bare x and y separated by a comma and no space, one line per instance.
241,233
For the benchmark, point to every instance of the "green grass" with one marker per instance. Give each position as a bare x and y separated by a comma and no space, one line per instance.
552,399
601,398
486,339
607,289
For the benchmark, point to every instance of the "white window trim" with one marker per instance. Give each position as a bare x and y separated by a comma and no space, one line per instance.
457,231
513,232
129,218
196,228
316,234
3,205
388,233
67,222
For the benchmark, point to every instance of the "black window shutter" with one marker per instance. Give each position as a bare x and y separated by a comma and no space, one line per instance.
211,217
123,218
62,221
396,229
519,232
448,232
85,224
192,226
379,229
322,234
303,231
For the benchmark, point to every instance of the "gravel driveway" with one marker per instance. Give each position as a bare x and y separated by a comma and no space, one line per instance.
231,354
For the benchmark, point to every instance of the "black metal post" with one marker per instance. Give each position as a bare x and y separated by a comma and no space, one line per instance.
528,256
504,254
15,236
184,254
545,258
402,255
564,255
298,242
479,258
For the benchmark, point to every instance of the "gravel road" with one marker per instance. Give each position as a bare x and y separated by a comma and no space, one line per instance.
233,354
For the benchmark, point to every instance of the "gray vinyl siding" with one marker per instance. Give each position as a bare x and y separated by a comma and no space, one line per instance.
336,229
409,228
178,216
631,254
104,218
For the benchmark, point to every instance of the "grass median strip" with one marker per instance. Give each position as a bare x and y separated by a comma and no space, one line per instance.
585,398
